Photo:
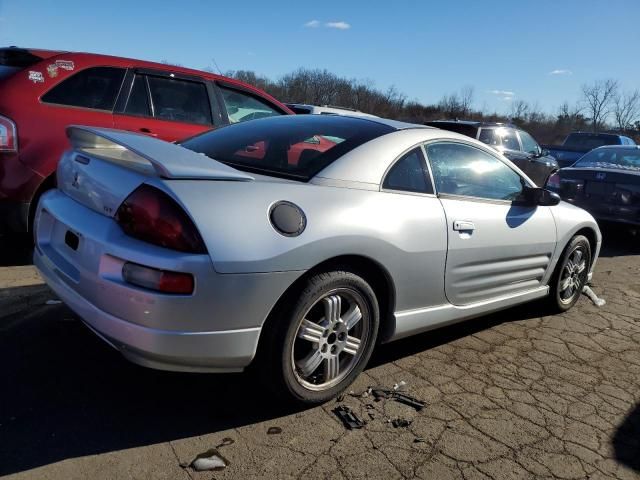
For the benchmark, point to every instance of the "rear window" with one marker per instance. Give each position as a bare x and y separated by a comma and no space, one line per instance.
620,158
589,142
13,60
95,88
289,146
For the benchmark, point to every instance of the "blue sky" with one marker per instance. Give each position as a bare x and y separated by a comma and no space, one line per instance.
505,49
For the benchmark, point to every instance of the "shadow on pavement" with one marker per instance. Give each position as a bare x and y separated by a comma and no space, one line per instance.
626,440
67,394
15,250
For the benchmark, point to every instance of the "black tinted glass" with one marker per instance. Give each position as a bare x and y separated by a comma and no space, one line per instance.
589,142
138,102
409,174
180,100
294,146
92,88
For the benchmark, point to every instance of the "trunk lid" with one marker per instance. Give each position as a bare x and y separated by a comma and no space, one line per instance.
105,166
605,184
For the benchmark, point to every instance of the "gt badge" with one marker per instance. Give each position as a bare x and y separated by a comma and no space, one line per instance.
52,70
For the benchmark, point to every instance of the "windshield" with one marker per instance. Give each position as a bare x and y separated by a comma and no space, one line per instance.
291,146
620,158
589,142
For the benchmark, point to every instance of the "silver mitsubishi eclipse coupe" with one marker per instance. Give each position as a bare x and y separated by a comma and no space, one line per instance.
296,244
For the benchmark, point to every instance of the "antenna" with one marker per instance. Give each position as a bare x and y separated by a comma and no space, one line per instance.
216,65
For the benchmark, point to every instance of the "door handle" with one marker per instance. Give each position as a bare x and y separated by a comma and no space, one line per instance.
463,226
148,132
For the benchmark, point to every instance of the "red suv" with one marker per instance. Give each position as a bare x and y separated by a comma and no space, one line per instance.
42,91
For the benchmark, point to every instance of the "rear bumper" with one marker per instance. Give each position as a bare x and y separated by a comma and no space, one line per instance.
629,215
215,329
218,351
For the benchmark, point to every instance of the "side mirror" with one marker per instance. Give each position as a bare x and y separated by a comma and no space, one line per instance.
532,196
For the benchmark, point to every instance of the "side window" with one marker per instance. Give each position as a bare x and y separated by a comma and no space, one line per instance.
468,171
409,174
488,136
508,138
529,145
91,88
138,101
242,107
179,100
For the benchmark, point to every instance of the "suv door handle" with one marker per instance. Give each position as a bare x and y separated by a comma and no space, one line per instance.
463,226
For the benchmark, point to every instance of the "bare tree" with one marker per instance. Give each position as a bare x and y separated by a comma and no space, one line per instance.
626,109
598,98
466,100
519,110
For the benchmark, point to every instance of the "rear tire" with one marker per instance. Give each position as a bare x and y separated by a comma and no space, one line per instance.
570,275
316,347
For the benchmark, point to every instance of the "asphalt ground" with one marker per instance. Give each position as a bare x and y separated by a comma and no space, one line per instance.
509,395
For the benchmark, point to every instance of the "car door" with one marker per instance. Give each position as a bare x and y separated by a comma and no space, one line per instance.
496,248
538,166
165,105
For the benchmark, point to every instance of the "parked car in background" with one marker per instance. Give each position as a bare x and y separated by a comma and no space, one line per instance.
195,257
578,143
605,182
514,143
43,91
301,109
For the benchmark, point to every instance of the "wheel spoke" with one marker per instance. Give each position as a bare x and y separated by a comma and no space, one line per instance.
310,363
352,345
577,256
331,368
565,284
310,331
581,266
332,308
352,317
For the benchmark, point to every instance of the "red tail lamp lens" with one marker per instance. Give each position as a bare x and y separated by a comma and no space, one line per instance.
159,280
151,215
554,181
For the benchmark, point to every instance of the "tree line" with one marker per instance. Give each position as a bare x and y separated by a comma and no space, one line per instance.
602,106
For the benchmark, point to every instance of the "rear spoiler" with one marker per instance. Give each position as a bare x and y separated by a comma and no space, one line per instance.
167,159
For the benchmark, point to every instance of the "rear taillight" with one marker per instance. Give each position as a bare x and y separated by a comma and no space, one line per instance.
8,135
554,181
151,215
159,280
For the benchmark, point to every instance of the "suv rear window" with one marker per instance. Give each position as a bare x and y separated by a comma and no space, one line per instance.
95,88
290,146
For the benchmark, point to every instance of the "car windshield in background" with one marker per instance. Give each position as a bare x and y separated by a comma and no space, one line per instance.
621,158
589,142
294,147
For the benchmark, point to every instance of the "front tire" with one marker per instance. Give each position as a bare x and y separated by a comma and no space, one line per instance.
571,274
316,348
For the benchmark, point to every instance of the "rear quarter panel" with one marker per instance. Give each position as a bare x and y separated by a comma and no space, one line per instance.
405,234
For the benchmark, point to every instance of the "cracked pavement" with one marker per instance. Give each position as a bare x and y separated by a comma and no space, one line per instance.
510,395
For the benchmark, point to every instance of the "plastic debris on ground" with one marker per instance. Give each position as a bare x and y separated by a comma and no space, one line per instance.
597,301
381,393
349,419
53,302
210,460
400,423
274,431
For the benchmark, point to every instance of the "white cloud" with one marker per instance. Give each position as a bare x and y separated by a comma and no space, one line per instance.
561,71
506,94
338,25
312,24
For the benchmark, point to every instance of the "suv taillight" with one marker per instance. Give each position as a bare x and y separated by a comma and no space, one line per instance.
151,215
554,181
8,135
